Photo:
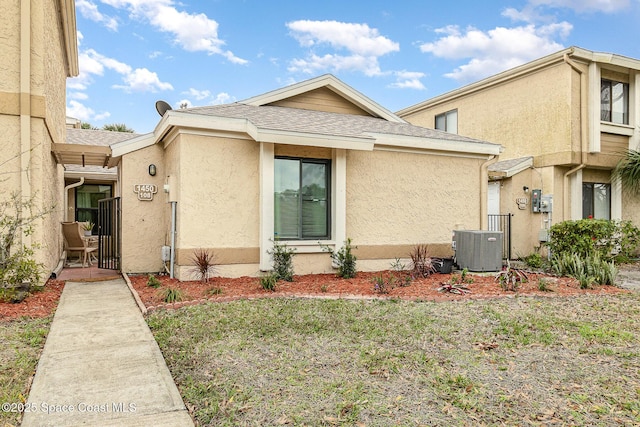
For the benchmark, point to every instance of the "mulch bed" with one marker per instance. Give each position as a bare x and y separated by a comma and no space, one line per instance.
484,286
37,304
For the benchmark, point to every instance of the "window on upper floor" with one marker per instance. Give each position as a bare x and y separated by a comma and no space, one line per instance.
448,121
596,200
614,102
301,199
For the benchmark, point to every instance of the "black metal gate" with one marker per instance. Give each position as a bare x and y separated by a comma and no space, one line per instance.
109,233
502,223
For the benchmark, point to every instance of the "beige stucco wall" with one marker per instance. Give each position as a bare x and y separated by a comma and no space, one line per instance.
394,201
31,119
145,226
529,116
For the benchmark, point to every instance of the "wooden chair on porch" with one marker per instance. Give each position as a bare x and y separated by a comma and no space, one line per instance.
75,242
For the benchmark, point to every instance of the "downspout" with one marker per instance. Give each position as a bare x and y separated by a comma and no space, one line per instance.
484,190
173,240
66,196
25,104
566,211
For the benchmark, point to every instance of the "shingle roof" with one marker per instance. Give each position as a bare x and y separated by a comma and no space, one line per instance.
97,137
323,123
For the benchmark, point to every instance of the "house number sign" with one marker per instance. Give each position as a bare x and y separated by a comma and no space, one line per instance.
145,191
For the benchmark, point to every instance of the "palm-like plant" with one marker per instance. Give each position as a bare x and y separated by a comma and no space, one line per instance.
628,171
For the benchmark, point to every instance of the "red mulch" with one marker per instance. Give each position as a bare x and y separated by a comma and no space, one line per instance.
329,285
44,303
38,304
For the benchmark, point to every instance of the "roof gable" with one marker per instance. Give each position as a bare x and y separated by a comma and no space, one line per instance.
321,99
311,94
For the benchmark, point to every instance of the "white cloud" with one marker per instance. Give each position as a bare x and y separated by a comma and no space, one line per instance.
223,98
408,80
207,97
143,80
77,95
86,114
606,6
192,32
90,11
495,50
363,46
136,80
198,94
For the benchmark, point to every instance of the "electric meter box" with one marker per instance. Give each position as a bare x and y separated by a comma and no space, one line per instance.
536,196
546,203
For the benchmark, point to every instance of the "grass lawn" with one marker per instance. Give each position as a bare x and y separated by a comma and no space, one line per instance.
21,345
511,361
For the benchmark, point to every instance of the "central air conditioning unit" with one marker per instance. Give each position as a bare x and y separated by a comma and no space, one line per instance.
478,250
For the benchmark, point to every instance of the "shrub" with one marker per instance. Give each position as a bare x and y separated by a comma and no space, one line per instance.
153,281
422,263
215,291
282,261
268,281
17,266
204,264
617,240
543,285
533,260
511,279
344,259
381,285
171,295
587,270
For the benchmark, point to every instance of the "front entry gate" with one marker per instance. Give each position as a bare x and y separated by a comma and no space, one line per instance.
109,233
502,223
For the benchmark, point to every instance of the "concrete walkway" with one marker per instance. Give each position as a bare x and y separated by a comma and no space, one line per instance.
101,365
629,278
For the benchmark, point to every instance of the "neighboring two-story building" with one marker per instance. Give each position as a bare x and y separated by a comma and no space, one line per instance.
38,51
565,121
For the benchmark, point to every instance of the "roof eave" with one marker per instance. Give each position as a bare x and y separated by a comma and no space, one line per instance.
440,145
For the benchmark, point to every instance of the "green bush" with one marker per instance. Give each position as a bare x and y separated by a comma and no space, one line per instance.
618,240
171,295
344,259
269,281
587,270
17,264
533,260
153,281
282,257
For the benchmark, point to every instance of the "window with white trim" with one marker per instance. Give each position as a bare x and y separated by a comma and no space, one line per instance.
614,102
301,198
596,200
448,121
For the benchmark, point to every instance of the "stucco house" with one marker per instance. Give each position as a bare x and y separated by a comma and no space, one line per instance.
38,51
314,162
565,121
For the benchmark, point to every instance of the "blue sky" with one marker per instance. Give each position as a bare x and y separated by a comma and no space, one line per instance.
398,53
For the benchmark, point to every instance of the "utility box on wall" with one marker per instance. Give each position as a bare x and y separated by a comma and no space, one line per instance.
478,250
536,197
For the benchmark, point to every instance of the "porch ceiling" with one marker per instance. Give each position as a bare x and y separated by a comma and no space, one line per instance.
83,155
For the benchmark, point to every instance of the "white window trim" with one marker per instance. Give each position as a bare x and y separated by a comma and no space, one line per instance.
338,206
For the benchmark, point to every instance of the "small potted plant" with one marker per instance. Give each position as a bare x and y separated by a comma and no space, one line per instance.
88,227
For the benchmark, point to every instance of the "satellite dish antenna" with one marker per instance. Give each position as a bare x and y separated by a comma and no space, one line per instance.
162,107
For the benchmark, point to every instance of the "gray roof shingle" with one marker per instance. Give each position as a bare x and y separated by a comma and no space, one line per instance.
323,123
